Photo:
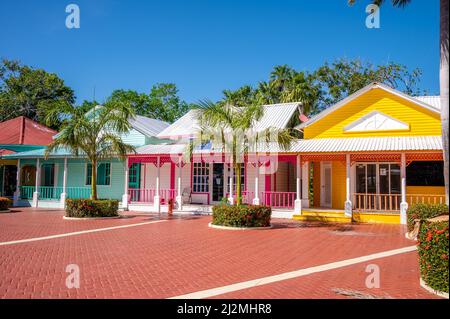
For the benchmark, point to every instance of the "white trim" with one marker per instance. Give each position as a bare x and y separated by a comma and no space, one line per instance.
293,274
322,184
360,92
399,125
98,164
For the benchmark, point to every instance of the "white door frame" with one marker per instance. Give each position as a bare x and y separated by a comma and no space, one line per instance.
323,165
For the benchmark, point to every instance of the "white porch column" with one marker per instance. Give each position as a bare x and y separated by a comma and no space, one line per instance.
156,198
230,195
305,185
179,198
348,199
403,204
125,187
256,200
298,199
16,196
64,192
37,182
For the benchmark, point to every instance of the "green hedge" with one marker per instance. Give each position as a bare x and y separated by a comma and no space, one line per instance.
433,254
424,211
241,216
91,208
4,203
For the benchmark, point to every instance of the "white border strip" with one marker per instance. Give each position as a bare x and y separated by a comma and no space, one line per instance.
293,274
21,241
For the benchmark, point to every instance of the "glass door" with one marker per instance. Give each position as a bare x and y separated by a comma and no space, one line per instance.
218,181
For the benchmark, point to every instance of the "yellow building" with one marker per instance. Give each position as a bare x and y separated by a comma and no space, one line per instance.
370,156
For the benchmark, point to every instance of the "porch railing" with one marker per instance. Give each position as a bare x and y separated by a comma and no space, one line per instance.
26,192
247,196
278,199
50,192
376,202
425,199
54,192
78,192
141,195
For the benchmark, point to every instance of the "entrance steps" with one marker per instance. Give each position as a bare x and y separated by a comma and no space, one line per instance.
323,215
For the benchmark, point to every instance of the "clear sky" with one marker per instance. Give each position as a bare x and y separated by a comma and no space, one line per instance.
205,46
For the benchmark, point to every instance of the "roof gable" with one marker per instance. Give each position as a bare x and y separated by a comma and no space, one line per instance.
420,101
275,115
376,121
23,131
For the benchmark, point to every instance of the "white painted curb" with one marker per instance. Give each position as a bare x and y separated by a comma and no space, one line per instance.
431,290
238,228
91,218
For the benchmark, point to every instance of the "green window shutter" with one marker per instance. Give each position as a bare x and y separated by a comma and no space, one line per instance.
88,174
101,174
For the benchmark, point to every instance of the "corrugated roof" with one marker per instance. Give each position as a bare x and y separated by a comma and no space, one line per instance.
275,115
433,100
23,131
148,126
369,144
162,149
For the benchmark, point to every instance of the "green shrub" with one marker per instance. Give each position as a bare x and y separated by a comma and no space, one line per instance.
241,216
4,203
91,208
424,211
433,254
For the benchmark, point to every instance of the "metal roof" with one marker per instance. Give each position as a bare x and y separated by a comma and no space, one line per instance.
148,126
275,115
161,149
369,144
433,100
23,131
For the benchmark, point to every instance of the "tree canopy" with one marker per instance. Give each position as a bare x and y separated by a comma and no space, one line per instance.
161,103
30,92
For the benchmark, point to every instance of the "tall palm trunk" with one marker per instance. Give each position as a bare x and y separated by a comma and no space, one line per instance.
94,180
237,173
443,80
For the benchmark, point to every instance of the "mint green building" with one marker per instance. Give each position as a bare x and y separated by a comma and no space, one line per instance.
48,182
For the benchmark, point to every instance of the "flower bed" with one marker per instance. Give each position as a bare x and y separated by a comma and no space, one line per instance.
241,216
5,203
82,208
424,211
433,246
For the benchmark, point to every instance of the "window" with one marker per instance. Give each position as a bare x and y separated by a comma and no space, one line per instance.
200,177
103,174
425,173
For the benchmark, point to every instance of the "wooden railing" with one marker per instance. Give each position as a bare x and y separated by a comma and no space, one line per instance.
78,192
26,192
247,197
278,199
54,192
376,202
146,195
391,202
425,199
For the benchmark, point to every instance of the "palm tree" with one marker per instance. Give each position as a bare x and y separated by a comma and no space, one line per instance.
443,77
229,128
280,75
92,131
301,88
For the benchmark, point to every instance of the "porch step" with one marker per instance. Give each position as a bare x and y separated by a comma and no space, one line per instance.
329,217
336,213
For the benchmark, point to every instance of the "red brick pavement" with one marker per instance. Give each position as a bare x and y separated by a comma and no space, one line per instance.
183,255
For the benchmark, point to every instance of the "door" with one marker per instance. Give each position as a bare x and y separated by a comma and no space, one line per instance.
134,180
325,177
218,182
9,180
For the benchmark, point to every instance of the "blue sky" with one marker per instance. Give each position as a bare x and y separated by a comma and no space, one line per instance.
205,46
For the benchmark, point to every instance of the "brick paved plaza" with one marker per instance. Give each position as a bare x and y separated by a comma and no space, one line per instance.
163,258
